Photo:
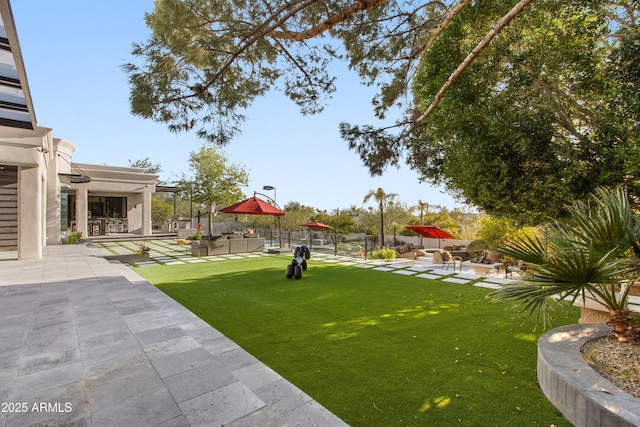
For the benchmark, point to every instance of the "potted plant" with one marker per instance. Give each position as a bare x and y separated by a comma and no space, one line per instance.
195,239
592,257
143,248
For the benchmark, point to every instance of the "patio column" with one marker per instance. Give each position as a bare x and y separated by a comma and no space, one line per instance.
30,220
82,207
146,211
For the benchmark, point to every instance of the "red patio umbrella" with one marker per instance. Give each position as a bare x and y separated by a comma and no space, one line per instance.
431,231
253,206
315,225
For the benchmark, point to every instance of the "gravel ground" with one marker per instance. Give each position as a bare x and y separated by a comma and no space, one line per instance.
617,362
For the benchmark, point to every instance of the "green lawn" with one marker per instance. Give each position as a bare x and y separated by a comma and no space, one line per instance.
375,348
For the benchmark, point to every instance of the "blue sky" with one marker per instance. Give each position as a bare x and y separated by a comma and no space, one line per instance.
73,51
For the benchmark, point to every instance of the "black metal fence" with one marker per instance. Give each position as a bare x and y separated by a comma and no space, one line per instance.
354,245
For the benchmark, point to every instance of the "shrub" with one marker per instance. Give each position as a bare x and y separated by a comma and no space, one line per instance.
73,238
384,253
142,247
197,236
476,247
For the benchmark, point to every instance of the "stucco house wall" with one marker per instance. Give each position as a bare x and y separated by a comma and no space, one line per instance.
132,183
37,169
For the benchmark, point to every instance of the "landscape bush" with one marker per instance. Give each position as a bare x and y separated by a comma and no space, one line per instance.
73,238
384,253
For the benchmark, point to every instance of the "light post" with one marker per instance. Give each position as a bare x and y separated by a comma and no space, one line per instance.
269,188
275,201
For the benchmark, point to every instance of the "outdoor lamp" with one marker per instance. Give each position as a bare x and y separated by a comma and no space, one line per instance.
269,188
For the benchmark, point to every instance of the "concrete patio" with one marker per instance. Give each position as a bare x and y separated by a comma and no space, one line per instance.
88,342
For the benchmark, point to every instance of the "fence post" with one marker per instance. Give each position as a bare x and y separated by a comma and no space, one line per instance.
366,247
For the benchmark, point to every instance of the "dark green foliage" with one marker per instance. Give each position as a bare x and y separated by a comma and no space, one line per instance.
213,181
594,254
476,247
542,117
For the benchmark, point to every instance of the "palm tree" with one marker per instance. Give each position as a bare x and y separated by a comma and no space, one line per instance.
382,198
422,208
594,254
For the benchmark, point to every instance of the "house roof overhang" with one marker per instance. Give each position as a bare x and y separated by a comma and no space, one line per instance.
16,105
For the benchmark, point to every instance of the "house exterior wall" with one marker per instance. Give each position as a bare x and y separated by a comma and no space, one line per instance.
110,181
43,165
40,163
30,150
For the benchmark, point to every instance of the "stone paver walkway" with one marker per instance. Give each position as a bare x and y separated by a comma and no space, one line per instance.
167,252
88,342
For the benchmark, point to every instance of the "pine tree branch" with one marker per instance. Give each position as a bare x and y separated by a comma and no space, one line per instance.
333,20
470,58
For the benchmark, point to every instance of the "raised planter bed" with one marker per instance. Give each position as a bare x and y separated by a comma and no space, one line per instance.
584,397
129,258
224,246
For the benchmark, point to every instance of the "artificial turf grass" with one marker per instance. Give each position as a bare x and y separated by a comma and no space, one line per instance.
375,348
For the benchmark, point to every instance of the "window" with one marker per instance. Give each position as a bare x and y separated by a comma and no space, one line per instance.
107,207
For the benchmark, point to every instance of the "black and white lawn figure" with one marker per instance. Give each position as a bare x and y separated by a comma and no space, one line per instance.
299,263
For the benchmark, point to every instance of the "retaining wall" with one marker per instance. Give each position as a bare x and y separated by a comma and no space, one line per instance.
584,397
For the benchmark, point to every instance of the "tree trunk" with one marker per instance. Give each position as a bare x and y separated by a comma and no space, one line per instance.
381,226
623,329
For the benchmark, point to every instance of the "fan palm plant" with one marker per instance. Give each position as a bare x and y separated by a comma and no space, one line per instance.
594,254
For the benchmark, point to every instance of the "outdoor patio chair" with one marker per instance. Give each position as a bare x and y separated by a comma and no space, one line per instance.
444,258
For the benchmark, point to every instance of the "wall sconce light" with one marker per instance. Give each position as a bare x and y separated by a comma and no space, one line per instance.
43,150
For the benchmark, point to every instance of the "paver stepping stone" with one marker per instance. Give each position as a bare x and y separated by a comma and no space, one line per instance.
500,280
439,272
405,272
418,268
487,285
428,276
455,280
469,276
146,264
384,269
